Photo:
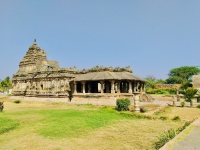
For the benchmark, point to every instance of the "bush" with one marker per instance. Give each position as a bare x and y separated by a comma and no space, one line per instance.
164,118
183,104
183,127
165,137
176,118
123,104
170,134
139,116
17,101
143,110
198,106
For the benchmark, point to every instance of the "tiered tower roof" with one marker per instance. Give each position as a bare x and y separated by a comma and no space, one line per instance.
33,54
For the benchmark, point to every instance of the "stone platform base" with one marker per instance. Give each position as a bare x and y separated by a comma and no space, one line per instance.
37,99
94,99
107,99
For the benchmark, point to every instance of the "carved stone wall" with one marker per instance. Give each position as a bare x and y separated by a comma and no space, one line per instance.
39,77
177,86
196,81
42,78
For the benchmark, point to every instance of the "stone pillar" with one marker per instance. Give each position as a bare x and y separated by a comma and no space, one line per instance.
75,91
130,87
137,103
134,86
118,87
102,82
83,87
141,87
112,87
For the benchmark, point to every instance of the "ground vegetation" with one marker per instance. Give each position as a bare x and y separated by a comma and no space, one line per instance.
61,126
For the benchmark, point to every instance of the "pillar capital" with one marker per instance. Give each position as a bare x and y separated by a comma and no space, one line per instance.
112,81
102,82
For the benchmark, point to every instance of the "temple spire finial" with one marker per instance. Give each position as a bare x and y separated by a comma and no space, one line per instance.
34,42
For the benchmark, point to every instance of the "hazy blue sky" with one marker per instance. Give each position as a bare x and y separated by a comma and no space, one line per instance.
152,36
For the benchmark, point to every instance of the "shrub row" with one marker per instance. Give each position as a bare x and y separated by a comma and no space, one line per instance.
170,134
162,91
138,115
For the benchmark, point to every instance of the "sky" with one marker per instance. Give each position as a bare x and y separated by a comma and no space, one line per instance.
150,36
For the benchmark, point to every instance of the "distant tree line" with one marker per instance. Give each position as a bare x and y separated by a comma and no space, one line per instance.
182,75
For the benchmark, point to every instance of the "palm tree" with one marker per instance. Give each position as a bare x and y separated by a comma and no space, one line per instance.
189,94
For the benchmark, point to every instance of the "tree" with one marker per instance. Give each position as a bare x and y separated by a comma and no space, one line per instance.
189,94
182,75
160,81
6,83
152,82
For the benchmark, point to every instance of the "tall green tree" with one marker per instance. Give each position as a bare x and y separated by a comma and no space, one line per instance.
182,75
6,83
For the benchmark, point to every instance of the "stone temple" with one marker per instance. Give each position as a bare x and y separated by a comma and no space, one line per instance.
40,79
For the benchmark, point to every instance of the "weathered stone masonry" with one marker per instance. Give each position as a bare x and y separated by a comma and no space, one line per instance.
39,77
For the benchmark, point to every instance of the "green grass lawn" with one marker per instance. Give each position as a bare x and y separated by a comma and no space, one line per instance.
60,126
75,121
7,125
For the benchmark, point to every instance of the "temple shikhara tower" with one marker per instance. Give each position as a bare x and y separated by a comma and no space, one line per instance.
40,79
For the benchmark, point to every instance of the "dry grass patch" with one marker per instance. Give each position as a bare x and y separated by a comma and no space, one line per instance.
124,134
62,126
9,106
185,113
131,134
151,107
